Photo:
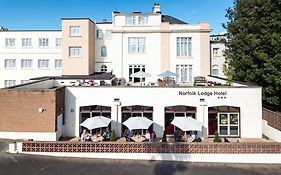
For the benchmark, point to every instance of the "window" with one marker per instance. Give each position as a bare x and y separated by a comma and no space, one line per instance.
184,73
74,51
58,42
26,64
10,64
134,69
43,42
143,20
228,124
99,34
43,64
136,20
130,20
74,31
24,81
103,51
108,34
9,83
10,42
103,68
215,70
184,46
136,45
216,51
58,64
26,42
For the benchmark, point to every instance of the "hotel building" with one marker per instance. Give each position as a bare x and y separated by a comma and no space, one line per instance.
96,54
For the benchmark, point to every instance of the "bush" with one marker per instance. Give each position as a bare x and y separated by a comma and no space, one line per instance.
164,138
113,136
217,137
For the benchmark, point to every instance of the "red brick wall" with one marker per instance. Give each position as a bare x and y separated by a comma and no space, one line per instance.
19,110
273,118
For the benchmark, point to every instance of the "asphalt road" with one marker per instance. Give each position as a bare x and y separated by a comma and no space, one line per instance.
46,165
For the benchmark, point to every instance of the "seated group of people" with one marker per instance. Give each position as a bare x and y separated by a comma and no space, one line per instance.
190,136
86,136
131,135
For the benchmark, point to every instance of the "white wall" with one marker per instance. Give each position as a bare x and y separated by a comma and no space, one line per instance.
270,131
250,110
38,136
35,52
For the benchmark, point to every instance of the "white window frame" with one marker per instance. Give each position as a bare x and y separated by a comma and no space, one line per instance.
108,34
143,20
43,42
10,63
103,51
215,70
58,64
228,125
26,63
184,46
133,68
184,73
75,51
74,31
9,83
10,42
216,51
58,42
136,44
43,64
26,42
99,34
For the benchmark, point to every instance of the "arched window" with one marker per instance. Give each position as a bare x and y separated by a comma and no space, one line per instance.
215,70
103,68
103,52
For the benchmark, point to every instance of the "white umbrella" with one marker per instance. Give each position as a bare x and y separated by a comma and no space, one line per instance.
141,74
187,124
167,74
96,122
138,123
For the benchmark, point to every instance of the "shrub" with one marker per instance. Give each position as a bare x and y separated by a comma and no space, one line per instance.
217,137
112,136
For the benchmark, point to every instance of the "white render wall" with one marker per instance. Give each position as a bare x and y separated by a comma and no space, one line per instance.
159,98
35,53
218,59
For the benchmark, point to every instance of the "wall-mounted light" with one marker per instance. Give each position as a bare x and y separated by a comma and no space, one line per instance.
40,110
71,110
117,102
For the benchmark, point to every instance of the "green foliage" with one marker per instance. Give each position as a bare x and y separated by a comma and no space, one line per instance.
254,45
217,137
164,138
228,73
113,136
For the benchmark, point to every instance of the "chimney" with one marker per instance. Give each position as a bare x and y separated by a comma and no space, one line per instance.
156,8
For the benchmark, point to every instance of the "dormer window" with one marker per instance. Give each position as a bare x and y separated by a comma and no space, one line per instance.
136,20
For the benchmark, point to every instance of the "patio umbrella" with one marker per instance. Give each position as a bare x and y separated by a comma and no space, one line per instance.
167,74
187,124
96,122
141,74
138,123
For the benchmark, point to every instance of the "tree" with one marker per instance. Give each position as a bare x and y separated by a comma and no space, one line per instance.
254,45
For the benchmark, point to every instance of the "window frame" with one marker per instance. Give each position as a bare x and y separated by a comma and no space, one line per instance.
74,31
31,61
136,45
8,42
56,61
8,67
47,60
79,48
43,41
24,42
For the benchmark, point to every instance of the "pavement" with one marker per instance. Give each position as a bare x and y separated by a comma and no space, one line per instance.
46,165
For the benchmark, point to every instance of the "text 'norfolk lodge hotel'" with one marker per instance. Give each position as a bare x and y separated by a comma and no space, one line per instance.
80,66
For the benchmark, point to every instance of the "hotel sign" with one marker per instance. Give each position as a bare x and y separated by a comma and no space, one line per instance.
203,93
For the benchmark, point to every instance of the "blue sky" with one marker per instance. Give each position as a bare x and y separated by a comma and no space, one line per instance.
46,14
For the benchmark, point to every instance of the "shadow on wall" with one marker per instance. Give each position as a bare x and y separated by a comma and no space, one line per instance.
70,111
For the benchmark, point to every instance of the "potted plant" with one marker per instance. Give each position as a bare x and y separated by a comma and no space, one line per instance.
217,137
112,136
164,138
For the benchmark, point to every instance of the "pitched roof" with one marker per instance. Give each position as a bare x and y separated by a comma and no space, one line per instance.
172,20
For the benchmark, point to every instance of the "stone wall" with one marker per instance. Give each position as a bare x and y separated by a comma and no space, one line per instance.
273,118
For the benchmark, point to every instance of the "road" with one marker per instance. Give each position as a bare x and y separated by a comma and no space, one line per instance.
46,165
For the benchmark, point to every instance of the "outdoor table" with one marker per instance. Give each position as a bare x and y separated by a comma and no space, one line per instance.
97,138
138,138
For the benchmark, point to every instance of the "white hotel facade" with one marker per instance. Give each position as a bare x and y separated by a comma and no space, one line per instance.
151,42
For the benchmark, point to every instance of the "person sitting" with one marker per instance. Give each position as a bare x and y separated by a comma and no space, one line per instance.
152,135
177,137
147,136
106,135
85,136
130,135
